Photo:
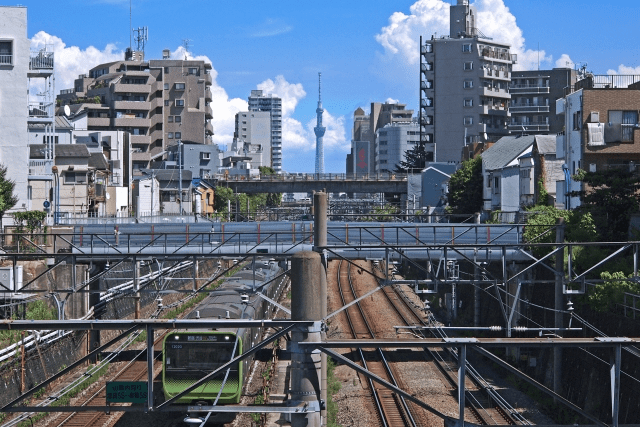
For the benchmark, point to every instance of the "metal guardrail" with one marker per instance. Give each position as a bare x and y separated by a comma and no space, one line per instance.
316,177
42,60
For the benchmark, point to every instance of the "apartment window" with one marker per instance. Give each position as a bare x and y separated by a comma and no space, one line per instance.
167,103
75,177
383,151
178,135
466,47
180,86
468,102
170,135
383,143
468,120
496,184
178,119
627,120
468,84
166,70
577,120
179,102
468,140
6,52
170,119
205,156
193,71
468,65
166,86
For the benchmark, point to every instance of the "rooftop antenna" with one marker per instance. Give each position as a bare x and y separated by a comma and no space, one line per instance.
130,27
186,43
142,36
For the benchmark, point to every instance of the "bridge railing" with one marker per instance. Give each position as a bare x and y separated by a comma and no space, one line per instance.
317,177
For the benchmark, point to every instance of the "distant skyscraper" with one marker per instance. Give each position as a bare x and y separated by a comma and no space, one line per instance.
261,102
319,130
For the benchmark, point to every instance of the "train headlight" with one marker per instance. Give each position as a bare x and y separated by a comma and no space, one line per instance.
176,337
226,337
193,420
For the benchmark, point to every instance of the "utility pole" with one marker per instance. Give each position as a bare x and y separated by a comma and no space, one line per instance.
558,306
180,172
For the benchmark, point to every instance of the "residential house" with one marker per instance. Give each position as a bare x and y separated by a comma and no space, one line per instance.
602,129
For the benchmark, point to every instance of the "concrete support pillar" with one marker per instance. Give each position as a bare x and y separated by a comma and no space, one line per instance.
476,278
136,286
306,292
462,372
558,305
320,203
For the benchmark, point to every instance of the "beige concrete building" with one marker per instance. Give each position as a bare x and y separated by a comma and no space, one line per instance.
159,102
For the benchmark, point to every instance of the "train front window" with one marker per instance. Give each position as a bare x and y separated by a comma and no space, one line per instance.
198,358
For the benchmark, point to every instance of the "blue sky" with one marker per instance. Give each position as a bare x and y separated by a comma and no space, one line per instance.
366,51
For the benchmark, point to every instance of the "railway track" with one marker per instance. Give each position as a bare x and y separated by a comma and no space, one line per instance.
136,370
484,404
393,411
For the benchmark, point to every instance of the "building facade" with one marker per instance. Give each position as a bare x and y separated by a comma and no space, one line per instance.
252,137
365,131
533,100
392,141
159,102
258,101
602,129
464,87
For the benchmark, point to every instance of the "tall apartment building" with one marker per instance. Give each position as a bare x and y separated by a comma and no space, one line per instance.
262,102
19,67
464,87
159,102
393,140
252,137
365,127
533,100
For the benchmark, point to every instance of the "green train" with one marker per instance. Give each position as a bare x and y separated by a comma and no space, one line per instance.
189,355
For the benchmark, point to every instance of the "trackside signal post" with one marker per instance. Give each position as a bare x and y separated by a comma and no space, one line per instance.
320,240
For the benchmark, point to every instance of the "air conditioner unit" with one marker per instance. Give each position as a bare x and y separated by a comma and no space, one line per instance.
7,278
594,117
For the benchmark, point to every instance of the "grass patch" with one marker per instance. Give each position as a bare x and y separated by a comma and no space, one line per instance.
64,400
333,387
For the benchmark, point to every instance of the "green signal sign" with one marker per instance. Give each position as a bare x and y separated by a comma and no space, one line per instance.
127,392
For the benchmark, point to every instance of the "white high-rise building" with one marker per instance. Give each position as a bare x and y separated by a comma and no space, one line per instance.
14,111
261,102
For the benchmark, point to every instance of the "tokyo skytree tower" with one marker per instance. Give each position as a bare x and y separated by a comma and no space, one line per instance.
319,130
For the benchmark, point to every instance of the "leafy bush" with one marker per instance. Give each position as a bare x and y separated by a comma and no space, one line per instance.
611,292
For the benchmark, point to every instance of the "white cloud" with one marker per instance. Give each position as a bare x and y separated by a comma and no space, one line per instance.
71,61
625,70
296,136
565,62
271,27
392,101
430,17
291,93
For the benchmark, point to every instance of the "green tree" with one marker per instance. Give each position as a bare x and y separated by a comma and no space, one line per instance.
611,199
415,160
465,188
7,198
273,199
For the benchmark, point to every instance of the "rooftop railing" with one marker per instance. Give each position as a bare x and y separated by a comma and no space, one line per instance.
41,60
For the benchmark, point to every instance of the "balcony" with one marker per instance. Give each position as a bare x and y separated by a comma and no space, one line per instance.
208,80
529,108
133,122
529,127
130,88
40,64
6,60
528,89
132,105
40,112
208,128
497,110
139,139
140,156
208,112
207,95
40,170
490,73
498,55
98,121
495,93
